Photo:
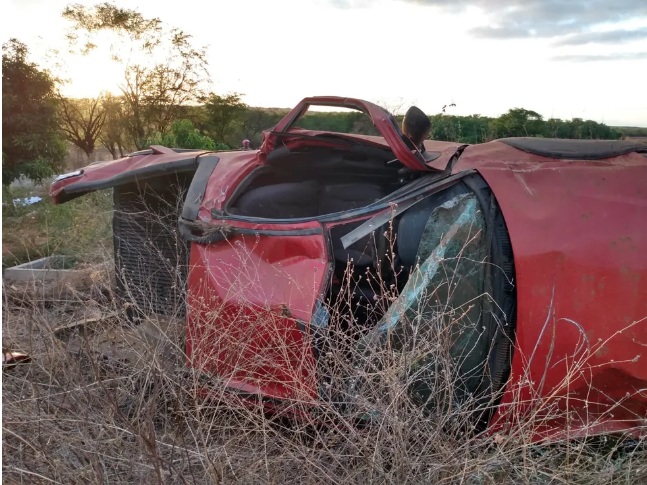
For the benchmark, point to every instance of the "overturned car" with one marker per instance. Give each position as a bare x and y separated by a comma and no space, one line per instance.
507,278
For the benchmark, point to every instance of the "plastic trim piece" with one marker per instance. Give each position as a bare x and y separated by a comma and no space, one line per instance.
195,194
575,149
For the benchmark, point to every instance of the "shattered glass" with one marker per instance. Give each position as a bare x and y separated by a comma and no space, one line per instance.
431,336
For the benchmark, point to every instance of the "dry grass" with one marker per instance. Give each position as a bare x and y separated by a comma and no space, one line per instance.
80,230
112,402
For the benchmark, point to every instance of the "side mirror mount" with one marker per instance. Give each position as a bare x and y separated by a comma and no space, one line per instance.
416,126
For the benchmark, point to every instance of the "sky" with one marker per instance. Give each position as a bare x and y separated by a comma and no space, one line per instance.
561,58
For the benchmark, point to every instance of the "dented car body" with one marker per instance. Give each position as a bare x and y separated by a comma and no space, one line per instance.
526,257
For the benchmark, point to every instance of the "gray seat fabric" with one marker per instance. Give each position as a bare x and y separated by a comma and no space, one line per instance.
308,199
412,223
343,197
280,201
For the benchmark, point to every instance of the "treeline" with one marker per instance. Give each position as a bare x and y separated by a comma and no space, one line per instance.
169,102
218,123
477,128
38,122
516,122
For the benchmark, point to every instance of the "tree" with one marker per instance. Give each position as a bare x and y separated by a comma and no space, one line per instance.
256,120
82,121
342,122
445,127
518,122
32,144
222,112
556,128
113,136
170,74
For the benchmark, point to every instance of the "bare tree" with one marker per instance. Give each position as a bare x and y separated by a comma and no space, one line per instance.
114,133
172,75
82,121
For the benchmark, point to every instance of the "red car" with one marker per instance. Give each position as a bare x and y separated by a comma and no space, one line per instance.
522,261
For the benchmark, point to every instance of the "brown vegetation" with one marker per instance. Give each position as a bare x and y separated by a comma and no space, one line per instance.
106,401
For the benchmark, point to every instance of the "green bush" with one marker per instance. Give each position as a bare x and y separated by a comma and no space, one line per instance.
32,144
184,135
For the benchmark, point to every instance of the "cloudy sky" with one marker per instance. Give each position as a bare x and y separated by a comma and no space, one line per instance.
562,58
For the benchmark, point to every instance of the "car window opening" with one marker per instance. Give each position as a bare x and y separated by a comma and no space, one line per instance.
317,182
437,259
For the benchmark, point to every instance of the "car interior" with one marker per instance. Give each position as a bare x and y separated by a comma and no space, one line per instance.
327,183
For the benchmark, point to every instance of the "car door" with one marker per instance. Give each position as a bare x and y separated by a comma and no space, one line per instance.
254,286
251,303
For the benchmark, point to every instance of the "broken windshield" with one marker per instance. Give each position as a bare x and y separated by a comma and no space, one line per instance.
435,323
